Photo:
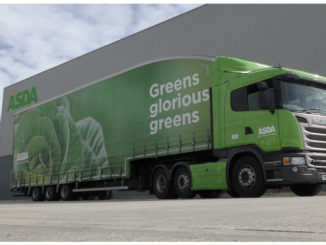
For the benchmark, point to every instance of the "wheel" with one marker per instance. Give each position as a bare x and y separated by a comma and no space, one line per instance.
50,193
104,195
37,194
87,195
182,182
162,187
248,178
210,194
66,193
232,193
306,189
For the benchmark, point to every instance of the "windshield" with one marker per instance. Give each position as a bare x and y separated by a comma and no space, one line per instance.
303,97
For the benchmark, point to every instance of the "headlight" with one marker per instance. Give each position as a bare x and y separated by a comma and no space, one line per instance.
298,161
294,160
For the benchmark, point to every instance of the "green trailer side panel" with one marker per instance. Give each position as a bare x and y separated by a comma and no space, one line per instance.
93,132
209,176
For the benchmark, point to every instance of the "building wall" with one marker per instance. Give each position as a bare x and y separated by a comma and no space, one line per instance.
286,35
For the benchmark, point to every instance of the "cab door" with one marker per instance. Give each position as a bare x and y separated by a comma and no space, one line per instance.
261,126
235,107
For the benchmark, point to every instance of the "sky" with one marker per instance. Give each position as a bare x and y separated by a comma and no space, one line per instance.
34,38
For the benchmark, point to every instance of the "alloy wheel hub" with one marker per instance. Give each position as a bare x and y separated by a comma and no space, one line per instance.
247,176
183,182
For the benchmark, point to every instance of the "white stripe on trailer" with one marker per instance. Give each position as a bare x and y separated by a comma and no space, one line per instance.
101,189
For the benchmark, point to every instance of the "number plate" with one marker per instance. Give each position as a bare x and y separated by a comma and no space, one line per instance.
323,177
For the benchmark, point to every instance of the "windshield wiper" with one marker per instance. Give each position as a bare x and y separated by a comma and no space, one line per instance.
308,110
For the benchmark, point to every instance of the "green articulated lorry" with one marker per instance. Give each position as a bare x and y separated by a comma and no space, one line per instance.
176,128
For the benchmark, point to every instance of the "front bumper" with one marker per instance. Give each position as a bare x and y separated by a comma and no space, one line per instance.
279,174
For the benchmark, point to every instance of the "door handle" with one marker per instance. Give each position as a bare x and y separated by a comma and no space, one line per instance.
248,130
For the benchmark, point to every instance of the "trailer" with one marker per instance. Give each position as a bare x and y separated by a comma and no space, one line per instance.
176,127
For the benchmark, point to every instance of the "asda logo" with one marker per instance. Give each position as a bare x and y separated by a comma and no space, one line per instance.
21,99
266,131
23,156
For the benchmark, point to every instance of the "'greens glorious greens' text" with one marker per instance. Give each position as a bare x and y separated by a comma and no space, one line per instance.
178,102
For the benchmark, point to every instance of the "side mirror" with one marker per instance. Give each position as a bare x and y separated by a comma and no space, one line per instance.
266,99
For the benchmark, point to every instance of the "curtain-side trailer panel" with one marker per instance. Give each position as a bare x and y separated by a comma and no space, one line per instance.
92,133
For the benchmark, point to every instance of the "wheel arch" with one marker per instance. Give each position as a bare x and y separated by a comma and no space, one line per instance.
236,155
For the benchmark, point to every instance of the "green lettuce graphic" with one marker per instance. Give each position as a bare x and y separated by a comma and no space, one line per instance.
95,156
57,147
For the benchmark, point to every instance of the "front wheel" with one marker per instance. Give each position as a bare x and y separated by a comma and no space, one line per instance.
304,190
182,182
247,178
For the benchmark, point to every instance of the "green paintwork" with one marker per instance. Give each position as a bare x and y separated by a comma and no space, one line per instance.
209,176
290,133
235,73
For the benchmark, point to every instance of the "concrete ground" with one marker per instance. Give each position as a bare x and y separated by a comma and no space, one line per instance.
257,219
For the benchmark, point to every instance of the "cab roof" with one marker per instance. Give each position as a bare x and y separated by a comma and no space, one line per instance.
242,66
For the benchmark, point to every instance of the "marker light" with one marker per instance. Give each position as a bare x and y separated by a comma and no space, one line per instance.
286,160
294,161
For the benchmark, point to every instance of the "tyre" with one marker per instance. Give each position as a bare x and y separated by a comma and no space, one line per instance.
50,193
182,182
210,194
66,193
87,195
162,186
104,195
248,178
37,194
232,193
304,190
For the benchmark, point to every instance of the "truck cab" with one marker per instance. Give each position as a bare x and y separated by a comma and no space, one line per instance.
277,117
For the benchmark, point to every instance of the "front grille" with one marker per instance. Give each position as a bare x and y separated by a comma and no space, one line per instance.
315,143
317,160
315,138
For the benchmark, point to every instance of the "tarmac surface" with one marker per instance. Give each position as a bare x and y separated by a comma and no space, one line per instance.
224,219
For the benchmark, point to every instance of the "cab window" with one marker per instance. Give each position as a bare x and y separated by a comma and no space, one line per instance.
247,98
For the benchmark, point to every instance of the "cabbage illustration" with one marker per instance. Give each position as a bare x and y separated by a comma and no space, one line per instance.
58,148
